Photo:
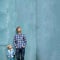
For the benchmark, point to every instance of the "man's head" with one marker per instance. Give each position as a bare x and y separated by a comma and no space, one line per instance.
18,29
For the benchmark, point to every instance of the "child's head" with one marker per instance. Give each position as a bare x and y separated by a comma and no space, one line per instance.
18,29
9,46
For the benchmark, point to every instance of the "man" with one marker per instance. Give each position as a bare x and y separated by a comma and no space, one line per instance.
20,44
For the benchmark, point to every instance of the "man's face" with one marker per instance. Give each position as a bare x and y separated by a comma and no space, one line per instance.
19,30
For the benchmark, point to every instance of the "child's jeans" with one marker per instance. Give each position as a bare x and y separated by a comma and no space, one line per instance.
10,58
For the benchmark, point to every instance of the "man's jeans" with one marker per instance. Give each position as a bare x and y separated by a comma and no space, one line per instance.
20,52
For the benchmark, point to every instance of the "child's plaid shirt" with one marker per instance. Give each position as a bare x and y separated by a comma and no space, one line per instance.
19,40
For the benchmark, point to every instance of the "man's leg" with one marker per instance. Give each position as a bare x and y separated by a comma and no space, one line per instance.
17,54
22,53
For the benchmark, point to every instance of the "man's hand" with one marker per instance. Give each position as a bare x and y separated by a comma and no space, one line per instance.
23,46
16,46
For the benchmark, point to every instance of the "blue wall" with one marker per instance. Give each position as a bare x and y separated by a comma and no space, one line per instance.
12,14
48,30
40,23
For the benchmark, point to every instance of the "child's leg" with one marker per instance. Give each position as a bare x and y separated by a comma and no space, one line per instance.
12,58
9,58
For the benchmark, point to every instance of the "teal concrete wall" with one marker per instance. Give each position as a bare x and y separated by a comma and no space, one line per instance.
40,23
48,24
15,13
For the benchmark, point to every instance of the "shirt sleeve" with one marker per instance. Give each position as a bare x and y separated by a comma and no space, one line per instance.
15,41
24,39
7,53
13,52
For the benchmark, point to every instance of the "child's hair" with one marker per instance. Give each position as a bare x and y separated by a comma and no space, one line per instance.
17,29
9,46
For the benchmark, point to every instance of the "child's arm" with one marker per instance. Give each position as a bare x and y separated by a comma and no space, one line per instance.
13,53
7,53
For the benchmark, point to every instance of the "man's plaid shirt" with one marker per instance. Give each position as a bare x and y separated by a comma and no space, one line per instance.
19,40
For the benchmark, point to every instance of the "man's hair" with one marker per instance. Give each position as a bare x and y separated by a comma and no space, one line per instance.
17,29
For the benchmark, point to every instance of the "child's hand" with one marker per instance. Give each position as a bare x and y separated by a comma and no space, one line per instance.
14,56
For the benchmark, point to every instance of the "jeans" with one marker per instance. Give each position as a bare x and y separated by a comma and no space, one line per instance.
20,52
10,58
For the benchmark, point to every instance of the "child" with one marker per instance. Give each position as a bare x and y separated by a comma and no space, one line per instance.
10,53
19,43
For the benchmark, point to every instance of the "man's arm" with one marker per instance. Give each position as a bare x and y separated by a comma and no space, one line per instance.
24,39
15,41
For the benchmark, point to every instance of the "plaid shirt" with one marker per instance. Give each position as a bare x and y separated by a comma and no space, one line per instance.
19,40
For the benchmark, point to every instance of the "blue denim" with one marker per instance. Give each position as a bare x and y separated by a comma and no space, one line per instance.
20,52
10,53
11,59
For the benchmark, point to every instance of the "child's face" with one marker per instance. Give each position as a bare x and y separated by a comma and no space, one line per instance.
19,30
9,47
